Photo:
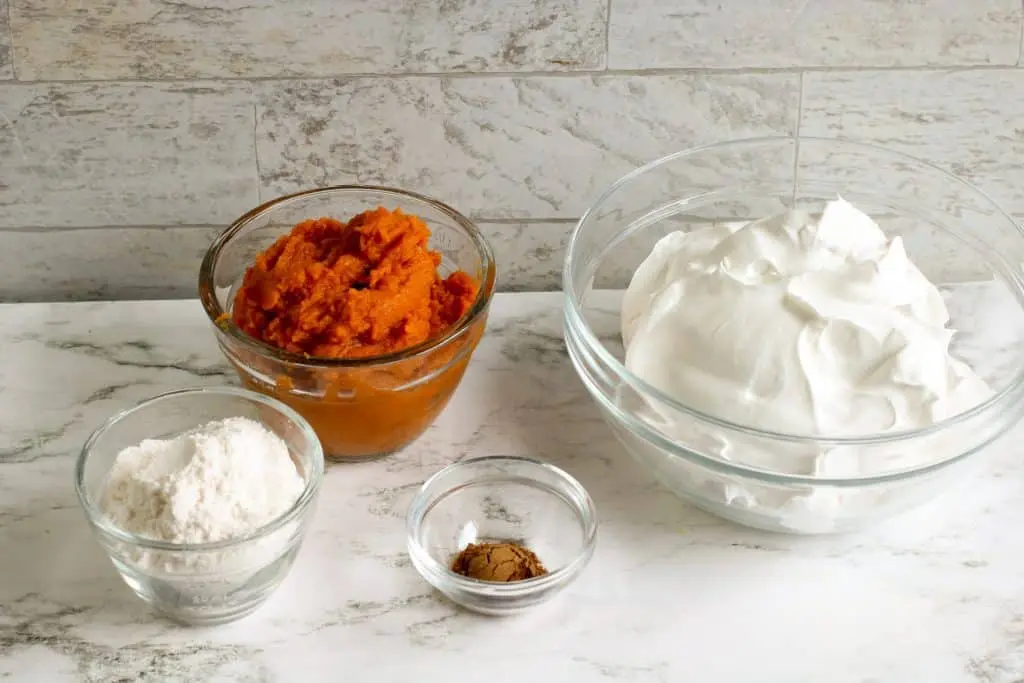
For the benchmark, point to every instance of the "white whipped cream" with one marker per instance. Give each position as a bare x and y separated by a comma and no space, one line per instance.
787,324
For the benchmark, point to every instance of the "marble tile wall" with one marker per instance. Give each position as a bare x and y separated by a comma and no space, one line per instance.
131,131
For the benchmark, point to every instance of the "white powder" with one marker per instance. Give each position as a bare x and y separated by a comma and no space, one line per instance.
220,481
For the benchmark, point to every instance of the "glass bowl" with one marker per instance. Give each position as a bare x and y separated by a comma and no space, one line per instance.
501,499
204,583
362,408
952,231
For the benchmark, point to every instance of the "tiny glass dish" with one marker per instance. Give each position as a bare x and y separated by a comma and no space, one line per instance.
501,499
201,583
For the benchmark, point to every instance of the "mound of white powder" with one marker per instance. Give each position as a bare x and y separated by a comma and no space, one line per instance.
220,481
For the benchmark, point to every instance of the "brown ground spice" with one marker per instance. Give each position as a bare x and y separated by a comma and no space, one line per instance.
499,562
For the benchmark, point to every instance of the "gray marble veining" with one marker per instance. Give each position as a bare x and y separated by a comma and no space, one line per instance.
672,594
156,119
1020,49
542,147
102,263
978,134
162,263
798,33
115,39
530,255
6,65
116,154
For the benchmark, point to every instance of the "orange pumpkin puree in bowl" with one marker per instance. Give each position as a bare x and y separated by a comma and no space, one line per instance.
363,290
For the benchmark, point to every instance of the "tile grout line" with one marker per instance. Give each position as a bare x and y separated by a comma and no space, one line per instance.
10,41
256,147
520,221
158,294
1020,42
212,226
40,230
796,138
608,34
581,73
800,106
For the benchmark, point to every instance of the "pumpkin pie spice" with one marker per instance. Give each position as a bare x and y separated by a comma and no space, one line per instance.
498,562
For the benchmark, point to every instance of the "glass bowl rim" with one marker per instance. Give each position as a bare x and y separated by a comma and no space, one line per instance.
438,573
222,321
576,325
309,491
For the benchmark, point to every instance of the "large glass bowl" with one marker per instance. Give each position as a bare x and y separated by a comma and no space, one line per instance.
361,408
957,236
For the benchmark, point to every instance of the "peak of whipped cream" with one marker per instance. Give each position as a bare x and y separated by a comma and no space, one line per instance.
790,324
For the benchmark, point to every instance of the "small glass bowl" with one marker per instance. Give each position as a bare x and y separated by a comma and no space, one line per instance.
501,499
202,583
360,408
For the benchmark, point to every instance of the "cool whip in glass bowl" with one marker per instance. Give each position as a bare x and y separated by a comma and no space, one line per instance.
363,407
675,404
200,583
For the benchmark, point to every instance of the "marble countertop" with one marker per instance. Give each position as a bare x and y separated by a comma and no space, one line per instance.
672,594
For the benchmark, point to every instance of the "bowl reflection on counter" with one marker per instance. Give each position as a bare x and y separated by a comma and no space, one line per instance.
367,407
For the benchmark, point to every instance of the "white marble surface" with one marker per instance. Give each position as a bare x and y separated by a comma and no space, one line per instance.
671,595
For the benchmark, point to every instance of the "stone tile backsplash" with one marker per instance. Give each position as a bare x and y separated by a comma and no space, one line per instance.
125,154
6,67
132,131
816,33
969,122
535,147
155,39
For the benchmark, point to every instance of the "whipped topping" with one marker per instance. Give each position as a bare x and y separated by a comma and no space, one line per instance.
800,326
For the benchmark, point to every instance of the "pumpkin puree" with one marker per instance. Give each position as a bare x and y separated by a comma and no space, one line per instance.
357,290
366,288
